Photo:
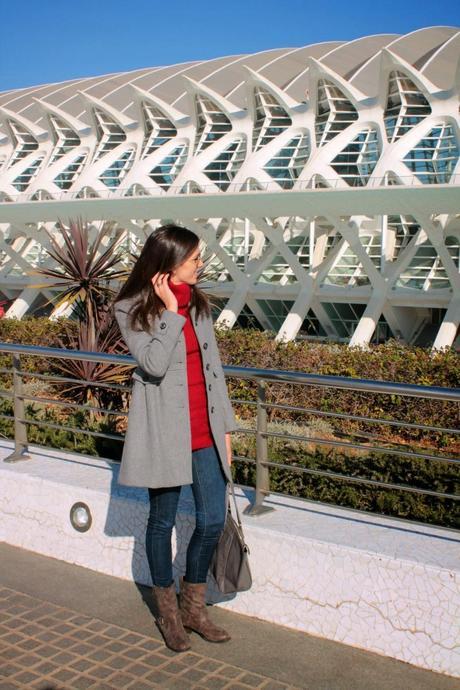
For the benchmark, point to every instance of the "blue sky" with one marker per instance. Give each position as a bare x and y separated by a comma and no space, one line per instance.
50,40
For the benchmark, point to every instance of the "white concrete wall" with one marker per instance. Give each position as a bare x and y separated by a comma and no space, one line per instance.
379,584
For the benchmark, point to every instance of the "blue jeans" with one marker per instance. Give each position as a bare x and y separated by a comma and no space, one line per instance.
209,489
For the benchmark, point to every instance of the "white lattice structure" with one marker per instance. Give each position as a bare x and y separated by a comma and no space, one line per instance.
324,180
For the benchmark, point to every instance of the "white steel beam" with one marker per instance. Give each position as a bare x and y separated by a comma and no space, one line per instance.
428,200
365,329
22,304
449,327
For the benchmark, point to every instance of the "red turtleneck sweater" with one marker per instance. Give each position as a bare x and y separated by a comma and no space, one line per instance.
197,398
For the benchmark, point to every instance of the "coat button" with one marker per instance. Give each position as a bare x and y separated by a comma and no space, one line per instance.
214,374
162,325
205,346
212,410
207,366
210,387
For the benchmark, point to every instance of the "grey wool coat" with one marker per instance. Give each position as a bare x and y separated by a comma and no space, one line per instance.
157,450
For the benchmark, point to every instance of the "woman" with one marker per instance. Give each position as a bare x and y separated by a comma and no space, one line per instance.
179,424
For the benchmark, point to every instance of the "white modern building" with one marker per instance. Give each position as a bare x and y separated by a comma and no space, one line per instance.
324,180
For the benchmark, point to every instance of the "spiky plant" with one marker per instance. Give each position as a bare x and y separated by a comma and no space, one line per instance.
84,269
105,338
82,275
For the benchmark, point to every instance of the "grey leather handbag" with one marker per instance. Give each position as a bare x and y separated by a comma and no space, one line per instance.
230,563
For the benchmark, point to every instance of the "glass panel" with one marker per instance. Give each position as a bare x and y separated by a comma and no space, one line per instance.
425,271
334,112
224,168
24,142
279,270
66,178
311,327
235,247
212,123
434,158
344,316
247,319
22,181
109,133
373,246
158,129
453,247
275,271
404,228
356,162
270,118
347,270
166,172
287,165
275,311
406,106
65,139
118,170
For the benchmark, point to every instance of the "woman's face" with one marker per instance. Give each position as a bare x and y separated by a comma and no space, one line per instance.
188,271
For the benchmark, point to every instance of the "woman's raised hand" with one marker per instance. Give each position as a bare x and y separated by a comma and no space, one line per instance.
164,292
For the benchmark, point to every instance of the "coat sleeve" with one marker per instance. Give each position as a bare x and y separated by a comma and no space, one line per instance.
229,416
152,351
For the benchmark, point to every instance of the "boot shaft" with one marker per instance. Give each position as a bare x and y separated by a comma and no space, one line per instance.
168,618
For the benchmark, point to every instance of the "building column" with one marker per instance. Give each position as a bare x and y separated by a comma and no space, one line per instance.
368,322
62,310
449,327
229,315
22,304
299,310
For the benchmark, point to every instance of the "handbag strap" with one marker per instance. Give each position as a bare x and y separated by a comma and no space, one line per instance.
232,490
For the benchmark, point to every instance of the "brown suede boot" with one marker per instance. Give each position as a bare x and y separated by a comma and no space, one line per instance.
168,618
194,614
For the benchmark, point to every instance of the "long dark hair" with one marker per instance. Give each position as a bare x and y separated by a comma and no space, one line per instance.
164,250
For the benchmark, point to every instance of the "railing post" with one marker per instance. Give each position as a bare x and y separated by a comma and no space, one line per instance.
262,472
20,427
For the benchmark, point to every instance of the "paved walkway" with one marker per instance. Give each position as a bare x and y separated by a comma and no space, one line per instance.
67,628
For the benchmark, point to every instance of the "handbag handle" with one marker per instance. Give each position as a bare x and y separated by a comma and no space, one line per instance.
232,490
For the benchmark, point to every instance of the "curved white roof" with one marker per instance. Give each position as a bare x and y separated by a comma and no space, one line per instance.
432,51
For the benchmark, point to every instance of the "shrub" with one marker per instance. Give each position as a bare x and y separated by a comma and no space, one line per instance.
389,362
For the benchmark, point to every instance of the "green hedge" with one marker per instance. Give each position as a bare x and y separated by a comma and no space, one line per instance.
37,331
391,362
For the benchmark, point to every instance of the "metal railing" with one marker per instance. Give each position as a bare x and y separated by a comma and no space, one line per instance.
263,379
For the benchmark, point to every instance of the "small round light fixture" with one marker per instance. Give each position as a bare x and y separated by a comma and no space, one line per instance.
80,517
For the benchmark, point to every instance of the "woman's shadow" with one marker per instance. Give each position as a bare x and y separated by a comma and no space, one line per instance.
126,517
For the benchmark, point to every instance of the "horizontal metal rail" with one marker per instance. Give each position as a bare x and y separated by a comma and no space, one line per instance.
70,429
360,446
81,382
263,379
268,375
358,418
360,480
75,406
344,383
